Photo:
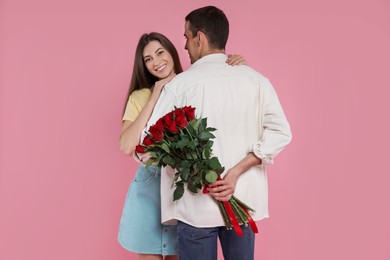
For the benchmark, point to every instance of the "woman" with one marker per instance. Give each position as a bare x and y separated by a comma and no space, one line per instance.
156,62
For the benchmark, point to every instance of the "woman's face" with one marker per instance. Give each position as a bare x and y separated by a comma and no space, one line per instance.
158,60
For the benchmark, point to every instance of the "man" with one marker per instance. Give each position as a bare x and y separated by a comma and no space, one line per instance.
251,130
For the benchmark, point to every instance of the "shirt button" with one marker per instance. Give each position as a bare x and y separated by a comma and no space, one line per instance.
165,230
164,245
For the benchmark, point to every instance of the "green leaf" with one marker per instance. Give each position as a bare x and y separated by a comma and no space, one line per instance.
219,171
184,164
178,193
206,135
214,163
193,131
165,147
195,123
192,187
198,181
168,160
192,145
172,146
184,174
206,153
189,155
194,155
160,157
182,143
202,125
211,176
184,136
209,144
211,129
149,162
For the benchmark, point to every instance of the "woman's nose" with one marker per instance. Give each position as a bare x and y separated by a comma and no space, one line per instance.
156,62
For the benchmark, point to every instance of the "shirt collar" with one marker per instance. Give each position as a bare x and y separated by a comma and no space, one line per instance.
215,57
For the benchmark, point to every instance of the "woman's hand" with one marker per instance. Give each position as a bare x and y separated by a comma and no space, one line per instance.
131,131
234,59
158,87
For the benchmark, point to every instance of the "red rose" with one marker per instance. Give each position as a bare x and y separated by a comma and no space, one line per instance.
139,149
178,112
168,118
181,121
156,135
172,127
160,125
147,141
190,112
157,131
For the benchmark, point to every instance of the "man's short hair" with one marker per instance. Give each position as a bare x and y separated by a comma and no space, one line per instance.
212,22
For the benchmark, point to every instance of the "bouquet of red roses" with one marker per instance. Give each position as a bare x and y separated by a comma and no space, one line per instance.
183,142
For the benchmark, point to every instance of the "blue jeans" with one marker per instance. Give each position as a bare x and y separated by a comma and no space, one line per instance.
201,243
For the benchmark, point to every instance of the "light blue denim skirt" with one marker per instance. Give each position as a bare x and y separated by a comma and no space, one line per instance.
140,228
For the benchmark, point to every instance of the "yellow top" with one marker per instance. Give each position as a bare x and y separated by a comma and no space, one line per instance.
136,103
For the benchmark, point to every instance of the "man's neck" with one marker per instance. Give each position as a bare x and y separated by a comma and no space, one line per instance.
212,51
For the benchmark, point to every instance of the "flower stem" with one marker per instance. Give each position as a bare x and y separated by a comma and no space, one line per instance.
242,204
192,139
242,216
173,150
224,214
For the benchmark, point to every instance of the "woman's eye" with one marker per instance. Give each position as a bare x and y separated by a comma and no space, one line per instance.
147,60
160,52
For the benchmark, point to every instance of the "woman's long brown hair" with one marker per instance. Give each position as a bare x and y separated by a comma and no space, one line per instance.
141,77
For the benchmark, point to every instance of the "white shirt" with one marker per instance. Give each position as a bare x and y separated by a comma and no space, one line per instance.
243,106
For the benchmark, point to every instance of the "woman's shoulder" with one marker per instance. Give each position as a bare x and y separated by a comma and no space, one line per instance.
141,93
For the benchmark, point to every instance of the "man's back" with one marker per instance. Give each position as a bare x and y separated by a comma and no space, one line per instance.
235,101
229,97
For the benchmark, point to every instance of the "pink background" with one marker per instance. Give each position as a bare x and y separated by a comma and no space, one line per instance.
64,71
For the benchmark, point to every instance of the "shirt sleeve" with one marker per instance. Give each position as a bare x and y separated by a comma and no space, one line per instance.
132,111
274,127
136,103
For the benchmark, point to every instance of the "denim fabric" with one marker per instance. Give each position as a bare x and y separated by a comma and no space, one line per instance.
140,228
201,243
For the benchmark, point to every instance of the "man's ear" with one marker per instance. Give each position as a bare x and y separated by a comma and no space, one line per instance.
202,39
